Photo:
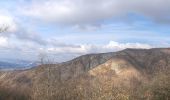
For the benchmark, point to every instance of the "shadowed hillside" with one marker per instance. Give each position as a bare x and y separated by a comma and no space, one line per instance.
131,74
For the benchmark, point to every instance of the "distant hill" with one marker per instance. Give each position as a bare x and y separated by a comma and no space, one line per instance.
130,74
16,64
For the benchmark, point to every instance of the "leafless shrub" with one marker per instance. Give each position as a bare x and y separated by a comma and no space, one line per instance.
4,28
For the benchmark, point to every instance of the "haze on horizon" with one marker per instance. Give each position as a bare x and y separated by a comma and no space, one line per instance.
65,29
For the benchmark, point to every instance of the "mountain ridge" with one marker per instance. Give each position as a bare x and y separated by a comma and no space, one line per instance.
115,67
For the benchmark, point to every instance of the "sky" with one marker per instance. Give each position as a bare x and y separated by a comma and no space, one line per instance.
64,29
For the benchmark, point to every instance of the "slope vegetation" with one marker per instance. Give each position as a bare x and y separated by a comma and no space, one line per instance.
131,74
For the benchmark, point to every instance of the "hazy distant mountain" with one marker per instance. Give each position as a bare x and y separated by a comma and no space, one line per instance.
16,64
94,76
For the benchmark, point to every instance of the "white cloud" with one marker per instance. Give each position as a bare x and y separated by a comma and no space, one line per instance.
8,21
3,42
14,29
63,51
78,12
89,48
73,50
119,46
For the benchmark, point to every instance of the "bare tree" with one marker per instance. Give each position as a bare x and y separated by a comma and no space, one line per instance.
45,86
4,28
42,57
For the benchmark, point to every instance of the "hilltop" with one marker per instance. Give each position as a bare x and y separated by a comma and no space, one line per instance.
113,75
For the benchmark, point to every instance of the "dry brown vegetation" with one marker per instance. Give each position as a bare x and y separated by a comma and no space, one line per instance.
130,75
92,88
99,88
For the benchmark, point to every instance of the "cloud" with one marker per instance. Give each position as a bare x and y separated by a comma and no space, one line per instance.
13,28
63,53
73,50
30,36
7,21
54,42
80,12
89,48
119,46
3,42
27,22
